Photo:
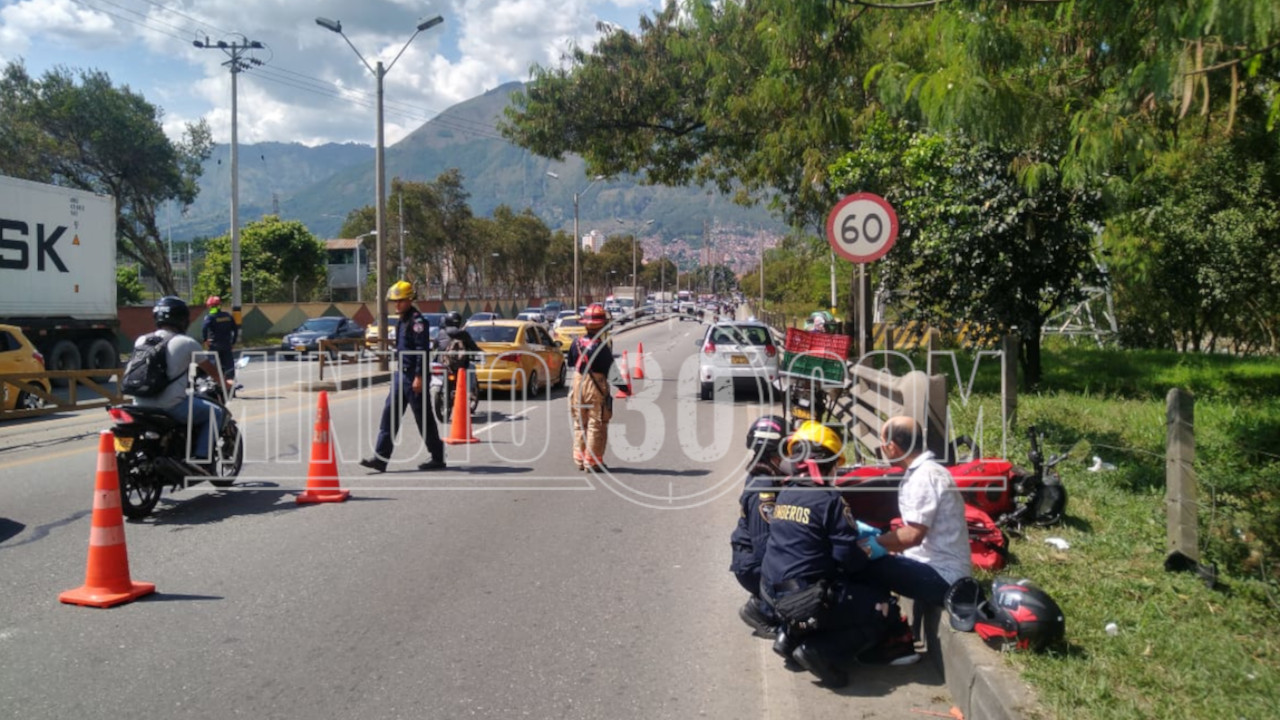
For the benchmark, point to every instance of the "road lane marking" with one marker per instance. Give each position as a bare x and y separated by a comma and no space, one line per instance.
510,417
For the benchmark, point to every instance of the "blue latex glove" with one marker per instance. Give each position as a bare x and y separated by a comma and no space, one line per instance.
865,530
872,548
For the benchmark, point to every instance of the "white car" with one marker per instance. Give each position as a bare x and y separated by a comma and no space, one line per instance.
741,353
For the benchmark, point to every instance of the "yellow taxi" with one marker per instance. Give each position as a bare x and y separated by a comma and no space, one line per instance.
18,355
371,334
568,329
518,355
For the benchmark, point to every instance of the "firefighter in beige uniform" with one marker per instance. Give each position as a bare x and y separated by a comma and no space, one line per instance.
590,403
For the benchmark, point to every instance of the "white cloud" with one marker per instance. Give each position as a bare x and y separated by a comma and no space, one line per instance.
312,88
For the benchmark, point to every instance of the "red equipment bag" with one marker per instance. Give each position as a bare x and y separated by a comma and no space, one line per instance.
988,547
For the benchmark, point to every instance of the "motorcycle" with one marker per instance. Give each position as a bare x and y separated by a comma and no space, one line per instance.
443,382
151,451
1012,496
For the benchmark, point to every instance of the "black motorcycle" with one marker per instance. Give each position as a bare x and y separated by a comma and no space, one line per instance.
151,451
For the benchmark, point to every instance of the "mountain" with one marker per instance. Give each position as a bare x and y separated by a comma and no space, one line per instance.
320,185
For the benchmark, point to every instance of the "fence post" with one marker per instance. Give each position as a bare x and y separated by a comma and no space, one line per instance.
1009,377
1180,474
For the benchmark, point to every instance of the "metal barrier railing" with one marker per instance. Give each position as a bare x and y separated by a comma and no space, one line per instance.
102,386
332,353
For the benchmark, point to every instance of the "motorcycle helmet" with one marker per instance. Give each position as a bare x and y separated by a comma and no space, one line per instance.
401,291
453,319
170,310
1021,614
765,435
213,302
965,603
594,318
813,441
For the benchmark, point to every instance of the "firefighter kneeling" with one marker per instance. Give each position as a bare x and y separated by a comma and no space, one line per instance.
812,571
590,403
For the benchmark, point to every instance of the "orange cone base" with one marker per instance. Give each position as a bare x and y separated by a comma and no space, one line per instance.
105,597
323,496
461,441
622,394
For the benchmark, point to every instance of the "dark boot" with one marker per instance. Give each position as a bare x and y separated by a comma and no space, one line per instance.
754,616
375,464
811,658
784,645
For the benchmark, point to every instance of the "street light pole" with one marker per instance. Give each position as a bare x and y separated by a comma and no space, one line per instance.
379,72
238,63
577,238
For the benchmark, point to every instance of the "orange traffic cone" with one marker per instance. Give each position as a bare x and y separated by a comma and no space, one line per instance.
624,392
639,374
460,425
106,577
322,473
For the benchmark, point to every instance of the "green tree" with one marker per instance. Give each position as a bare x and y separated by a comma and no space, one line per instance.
980,247
275,257
77,129
129,287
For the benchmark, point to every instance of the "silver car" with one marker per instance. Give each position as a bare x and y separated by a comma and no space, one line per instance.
737,353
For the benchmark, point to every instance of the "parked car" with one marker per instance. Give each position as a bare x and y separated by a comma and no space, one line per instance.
567,330
533,315
743,353
371,334
553,309
518,355
307,336
484,317
18,355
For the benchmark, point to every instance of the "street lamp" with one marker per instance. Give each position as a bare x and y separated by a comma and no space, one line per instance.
577,239
379,72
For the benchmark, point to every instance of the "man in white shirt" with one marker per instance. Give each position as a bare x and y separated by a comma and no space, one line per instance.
932,546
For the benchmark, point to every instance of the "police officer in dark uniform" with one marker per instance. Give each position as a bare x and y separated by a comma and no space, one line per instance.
413,344
812,562
220,333
764,440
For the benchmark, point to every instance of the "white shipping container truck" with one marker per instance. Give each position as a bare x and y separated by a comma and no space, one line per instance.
58,272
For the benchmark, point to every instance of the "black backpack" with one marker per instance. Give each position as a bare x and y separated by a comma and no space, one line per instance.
147,372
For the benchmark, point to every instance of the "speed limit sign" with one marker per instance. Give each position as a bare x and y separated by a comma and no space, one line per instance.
862,227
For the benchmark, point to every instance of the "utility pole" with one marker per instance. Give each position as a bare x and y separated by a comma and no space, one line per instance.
238,62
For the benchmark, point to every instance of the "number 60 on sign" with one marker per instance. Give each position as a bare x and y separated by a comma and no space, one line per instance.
862,227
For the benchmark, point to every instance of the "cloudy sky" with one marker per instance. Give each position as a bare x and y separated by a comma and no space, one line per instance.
311,88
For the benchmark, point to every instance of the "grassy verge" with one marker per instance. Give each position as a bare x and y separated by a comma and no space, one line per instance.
1182,650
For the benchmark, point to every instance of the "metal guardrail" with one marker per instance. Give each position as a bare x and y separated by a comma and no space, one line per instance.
102,386
335,347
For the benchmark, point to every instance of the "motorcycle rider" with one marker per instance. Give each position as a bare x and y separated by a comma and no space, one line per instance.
812,572
456,346
172,316
756,505
220,333
413,346
591,405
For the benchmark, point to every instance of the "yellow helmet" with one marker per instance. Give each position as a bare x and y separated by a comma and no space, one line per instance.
401,291
823,442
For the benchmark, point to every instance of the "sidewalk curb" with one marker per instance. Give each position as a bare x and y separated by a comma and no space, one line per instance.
336,385
979,682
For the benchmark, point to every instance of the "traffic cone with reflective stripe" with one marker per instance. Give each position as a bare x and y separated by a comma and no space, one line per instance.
624,392
322,472
639,372
106,577
460,422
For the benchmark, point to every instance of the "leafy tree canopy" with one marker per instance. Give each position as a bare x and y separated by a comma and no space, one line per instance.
74,128
274,255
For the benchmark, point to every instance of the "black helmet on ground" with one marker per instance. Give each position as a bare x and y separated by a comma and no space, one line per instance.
1021,614
171,311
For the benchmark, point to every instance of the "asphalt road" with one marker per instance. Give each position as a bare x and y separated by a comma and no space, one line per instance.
510,585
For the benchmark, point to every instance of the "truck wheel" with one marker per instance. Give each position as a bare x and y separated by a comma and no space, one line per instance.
102,355
64,355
